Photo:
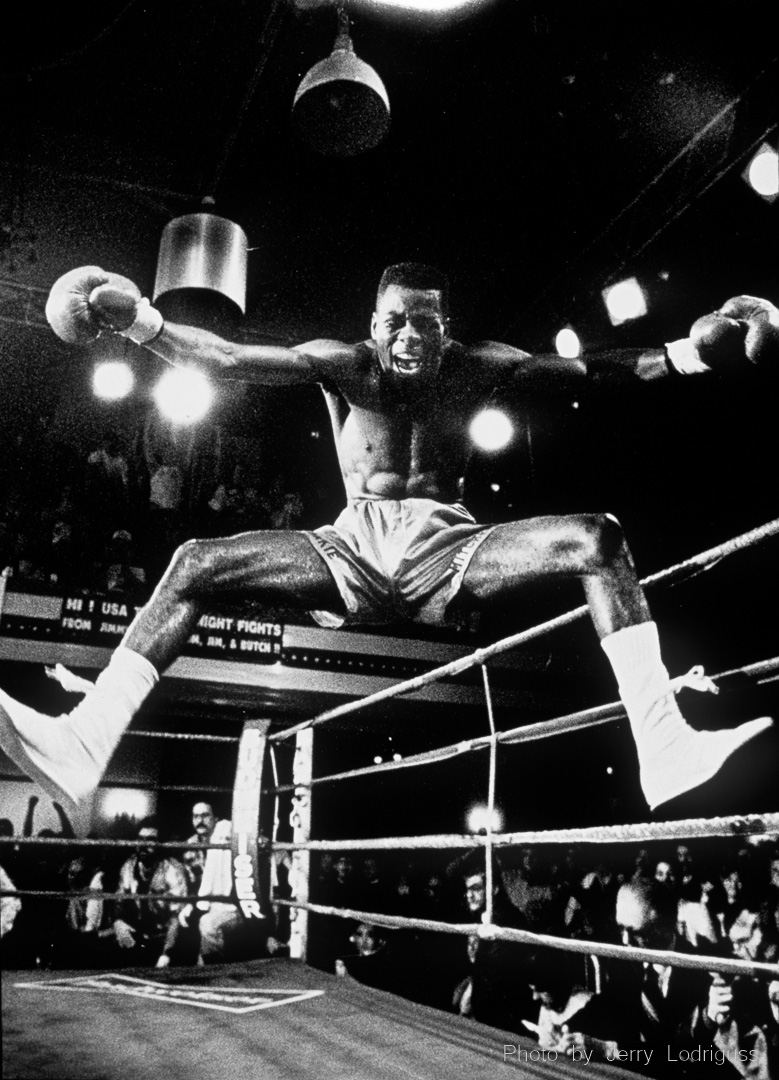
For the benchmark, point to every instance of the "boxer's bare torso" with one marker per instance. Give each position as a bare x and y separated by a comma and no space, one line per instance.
401,402
407,441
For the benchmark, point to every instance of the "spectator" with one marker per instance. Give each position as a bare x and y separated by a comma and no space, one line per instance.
147,929
122,572
495,991
204,823
83,938
570,1015
745,1010
163,523
225,935
661,1007
372,962
107,488
39,868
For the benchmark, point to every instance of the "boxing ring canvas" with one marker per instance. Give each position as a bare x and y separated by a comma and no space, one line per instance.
267,1020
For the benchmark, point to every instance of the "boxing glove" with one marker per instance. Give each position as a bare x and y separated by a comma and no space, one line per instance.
761,321
719,340
87,301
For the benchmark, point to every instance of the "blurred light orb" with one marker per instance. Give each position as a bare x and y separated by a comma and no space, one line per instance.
625,301
183,396
491,429
764,173
567,343
112,380
479,819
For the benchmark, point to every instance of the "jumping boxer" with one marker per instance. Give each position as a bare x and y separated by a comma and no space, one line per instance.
404,547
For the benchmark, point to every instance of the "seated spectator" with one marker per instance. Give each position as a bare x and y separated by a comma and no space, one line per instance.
496,991
570,1015
148,930
82,939
371,962
656,1006
745,1010
39,868
204,823
340,887
225,936
122,572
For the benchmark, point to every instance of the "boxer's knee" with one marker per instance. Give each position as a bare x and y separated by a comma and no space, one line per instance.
600,540
190,567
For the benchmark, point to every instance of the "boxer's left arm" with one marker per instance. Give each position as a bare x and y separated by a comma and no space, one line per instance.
743,333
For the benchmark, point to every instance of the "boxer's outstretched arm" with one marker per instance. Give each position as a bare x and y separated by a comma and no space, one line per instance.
539,369
271,365
743,333
89,301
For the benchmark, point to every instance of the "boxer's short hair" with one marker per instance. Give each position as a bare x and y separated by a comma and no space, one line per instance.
415,275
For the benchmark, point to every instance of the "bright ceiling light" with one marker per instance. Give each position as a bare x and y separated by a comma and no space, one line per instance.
567,343
491,429
479,819
118,802
183,396
625,301
112,380
762,173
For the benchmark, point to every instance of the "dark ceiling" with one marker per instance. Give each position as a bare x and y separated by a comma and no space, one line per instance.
536,152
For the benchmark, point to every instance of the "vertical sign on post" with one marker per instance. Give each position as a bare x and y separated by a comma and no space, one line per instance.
247,879
300,819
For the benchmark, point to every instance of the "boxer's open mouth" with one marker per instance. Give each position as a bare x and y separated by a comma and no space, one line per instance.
407,365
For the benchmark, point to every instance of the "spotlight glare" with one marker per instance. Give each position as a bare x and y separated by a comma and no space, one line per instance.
625,301
479,818
118,802
183,396
491,429
567,343
112,380
763,172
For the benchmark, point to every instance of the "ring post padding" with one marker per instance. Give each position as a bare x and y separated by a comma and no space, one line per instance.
244,838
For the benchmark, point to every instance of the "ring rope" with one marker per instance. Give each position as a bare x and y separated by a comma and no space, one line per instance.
578,721
488,839
162,845
528,937
689,829
95,894
480,656
143,733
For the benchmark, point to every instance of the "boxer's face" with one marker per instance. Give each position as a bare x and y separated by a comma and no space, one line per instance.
409,329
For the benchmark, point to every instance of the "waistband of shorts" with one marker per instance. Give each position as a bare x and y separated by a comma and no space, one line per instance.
373,500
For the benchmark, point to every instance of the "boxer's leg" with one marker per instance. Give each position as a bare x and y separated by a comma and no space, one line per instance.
67,755
673,757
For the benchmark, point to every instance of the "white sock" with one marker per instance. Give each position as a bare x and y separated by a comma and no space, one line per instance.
673,757
68,754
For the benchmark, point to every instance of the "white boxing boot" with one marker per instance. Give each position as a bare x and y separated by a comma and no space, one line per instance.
67,755
673,757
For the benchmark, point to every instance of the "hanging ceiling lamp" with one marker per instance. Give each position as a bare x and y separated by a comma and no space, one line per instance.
341,107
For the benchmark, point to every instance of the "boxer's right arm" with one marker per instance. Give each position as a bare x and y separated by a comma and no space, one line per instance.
89,301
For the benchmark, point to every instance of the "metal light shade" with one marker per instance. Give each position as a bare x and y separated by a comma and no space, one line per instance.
341,107
203,251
